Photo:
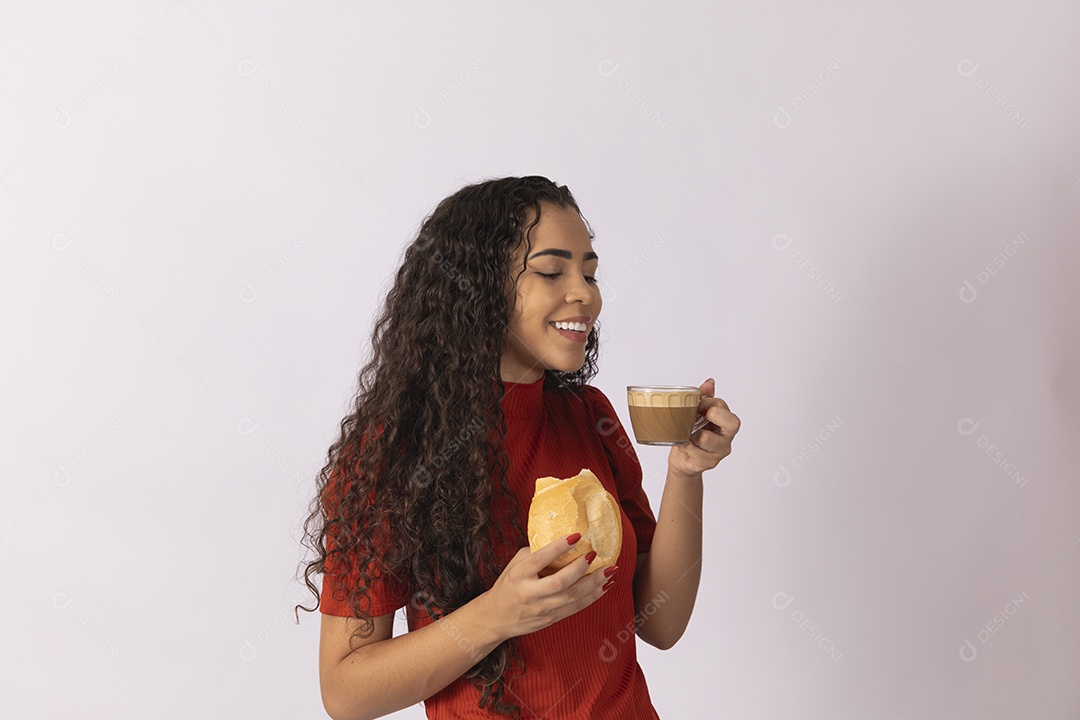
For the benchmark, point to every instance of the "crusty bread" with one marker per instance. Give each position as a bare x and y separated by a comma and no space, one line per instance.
577,504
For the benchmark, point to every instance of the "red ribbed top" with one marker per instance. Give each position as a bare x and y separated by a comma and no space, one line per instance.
585,665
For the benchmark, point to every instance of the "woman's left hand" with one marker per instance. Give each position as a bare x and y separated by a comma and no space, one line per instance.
710,444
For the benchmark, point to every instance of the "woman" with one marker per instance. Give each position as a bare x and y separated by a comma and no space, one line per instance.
472,393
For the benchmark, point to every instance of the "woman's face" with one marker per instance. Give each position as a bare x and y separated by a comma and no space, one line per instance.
558,284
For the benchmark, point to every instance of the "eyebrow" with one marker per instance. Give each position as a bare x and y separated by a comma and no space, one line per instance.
564,254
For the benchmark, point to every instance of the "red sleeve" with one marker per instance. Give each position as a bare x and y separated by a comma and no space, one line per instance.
387,592
625,467
386,595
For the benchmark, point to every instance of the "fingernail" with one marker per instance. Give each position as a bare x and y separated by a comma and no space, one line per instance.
591,556
608,572
571,539
608,584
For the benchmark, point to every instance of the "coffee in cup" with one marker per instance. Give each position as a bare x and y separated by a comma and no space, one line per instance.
663,414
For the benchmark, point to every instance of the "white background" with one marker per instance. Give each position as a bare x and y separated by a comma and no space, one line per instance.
861,218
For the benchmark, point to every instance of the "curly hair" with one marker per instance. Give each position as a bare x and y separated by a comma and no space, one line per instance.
409,486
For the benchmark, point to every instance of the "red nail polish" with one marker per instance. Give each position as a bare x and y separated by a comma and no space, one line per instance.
607,585
608,572
591,556
573,538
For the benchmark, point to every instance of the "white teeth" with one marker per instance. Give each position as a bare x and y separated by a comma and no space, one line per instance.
580,327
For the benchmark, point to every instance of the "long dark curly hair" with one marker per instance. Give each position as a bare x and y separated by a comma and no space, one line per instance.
420,456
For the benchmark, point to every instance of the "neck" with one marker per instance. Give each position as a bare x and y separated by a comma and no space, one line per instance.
512,370
523,376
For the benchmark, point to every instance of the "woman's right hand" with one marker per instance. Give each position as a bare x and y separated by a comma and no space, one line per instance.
521,602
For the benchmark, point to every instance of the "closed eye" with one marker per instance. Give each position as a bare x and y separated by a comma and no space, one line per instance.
552,276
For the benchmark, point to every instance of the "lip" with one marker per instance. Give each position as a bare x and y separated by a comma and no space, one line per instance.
578,337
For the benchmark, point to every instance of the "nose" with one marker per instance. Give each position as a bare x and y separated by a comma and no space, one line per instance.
583,291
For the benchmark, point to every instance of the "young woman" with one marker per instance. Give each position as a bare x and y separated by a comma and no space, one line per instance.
472,392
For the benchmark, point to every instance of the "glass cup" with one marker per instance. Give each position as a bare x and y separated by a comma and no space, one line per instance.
664,414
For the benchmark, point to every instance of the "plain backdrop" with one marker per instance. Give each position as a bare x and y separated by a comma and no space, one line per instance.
859,217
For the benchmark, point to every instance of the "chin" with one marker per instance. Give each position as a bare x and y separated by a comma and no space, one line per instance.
569,367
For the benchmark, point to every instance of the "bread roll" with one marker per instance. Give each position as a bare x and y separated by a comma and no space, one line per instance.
577,504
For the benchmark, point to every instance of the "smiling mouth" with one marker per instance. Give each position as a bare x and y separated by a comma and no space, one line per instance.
579,332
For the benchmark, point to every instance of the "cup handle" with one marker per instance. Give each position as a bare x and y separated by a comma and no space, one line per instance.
698,424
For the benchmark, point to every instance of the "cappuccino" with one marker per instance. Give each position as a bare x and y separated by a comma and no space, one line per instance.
662,414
